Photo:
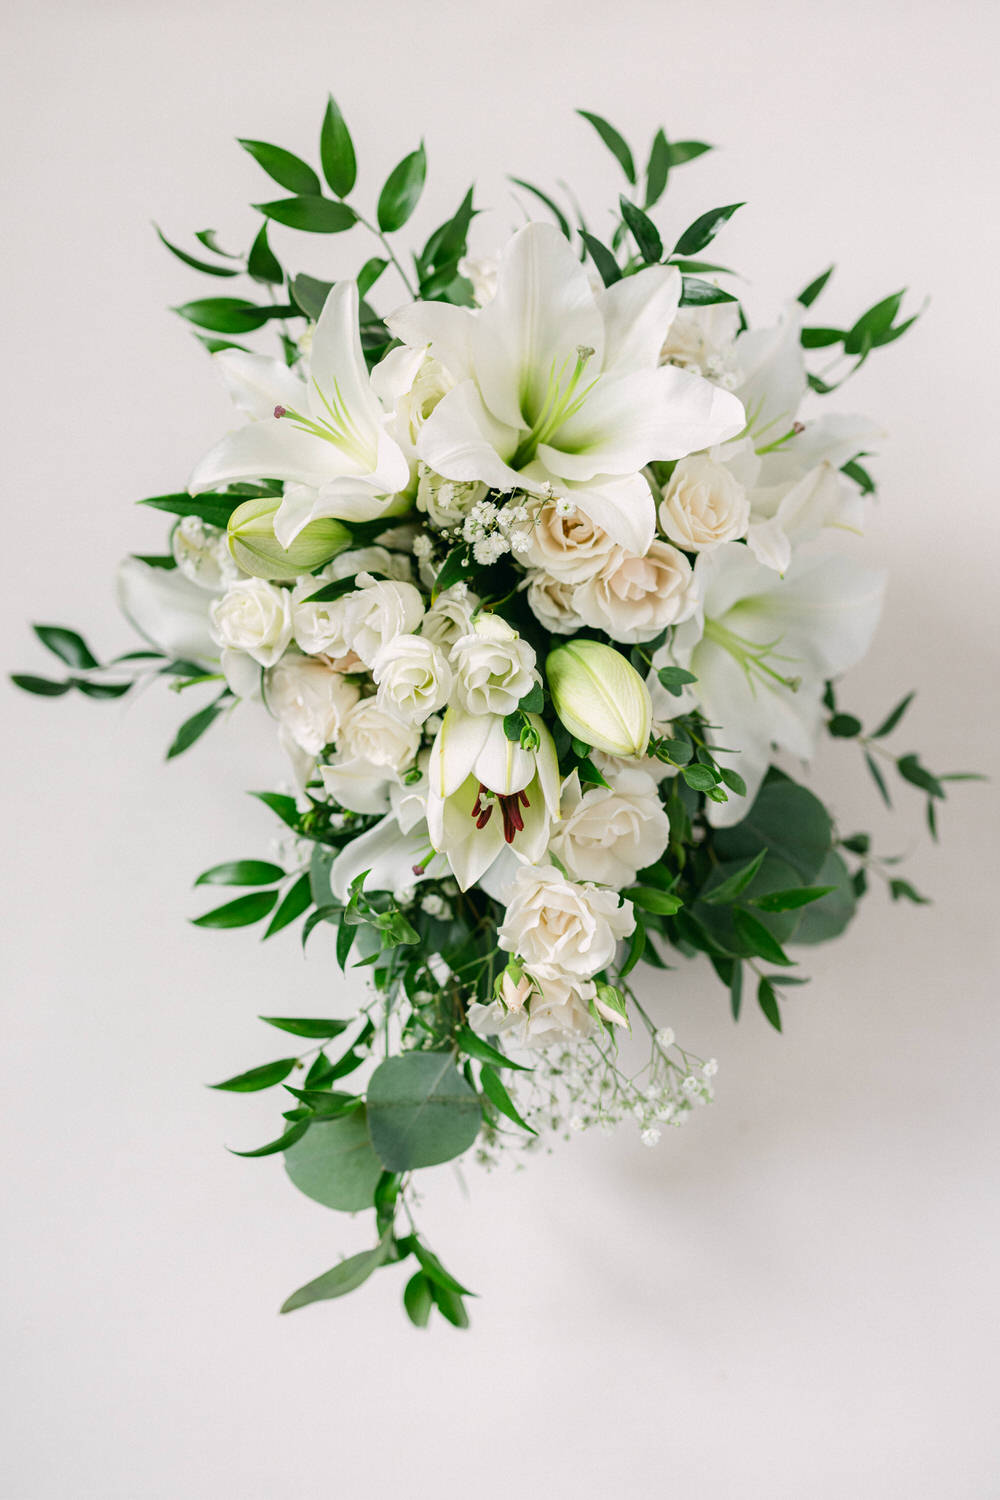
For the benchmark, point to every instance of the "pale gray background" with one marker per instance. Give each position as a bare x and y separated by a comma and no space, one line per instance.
796,1297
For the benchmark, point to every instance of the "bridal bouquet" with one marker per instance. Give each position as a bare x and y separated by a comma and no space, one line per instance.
536,562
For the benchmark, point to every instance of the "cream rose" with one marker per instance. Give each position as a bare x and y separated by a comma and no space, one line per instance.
494,668
201,554
610,833
309,699
255,617
704,505
550,600
383,560
562,930
634,598
414,679
379,611
558,1012
563,542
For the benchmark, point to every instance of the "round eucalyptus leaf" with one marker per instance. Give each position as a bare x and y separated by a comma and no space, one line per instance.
788,821
334,1163
421,1111
825,919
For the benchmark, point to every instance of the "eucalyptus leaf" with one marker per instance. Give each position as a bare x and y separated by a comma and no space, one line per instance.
421,1110
335,1164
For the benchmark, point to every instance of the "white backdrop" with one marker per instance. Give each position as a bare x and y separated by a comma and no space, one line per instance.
796,1297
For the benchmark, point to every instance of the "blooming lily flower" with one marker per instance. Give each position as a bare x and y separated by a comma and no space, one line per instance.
762,647
558,387
327,438
487,794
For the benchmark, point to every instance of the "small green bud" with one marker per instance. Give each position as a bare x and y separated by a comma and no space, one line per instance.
600,697
256,550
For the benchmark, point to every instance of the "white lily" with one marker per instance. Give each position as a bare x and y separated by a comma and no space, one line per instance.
326,438
396,852
558,388
486,794
167,609
762,647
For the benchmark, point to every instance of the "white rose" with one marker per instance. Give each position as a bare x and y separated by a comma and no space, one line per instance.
704,505
494,668
450,616
563,542
255,617
309,699
558,1013
370,560
560,929
610,833
414,679
550,600
202,554
319,627
377,612
446,502
372,733
634,598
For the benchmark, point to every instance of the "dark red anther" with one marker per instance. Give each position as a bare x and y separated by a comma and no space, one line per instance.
280,411
418,869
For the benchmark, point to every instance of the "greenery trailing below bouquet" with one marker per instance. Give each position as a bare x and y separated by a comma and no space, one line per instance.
534,574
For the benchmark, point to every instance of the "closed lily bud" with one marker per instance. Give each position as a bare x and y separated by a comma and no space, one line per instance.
600,697
257,551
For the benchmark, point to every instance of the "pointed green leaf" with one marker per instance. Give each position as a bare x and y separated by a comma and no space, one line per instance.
878,779
474,1046
242,912
736,884
192,729
224,314
758,939
791,900
658,169
287,169
607,267
402,190
66,644
614,142
343,1278
297,900
42,687
263,264
768,1002
280,804
809,294
294,1133
192,261
254,1079
215,510
315,1027
498,1096
889,724
698,293
336,151
704,229
644,231
417,1299
685,151
242,872
314,215
369,274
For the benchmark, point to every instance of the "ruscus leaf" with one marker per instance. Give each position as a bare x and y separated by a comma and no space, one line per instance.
336,151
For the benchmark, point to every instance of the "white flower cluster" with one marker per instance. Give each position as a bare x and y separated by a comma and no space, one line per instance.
638,472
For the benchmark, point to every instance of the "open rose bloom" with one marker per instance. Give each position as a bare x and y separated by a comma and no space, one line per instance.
540,560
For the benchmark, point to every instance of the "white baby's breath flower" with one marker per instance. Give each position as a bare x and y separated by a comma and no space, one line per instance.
446,502
255,617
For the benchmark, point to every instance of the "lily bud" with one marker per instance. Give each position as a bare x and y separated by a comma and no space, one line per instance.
600,697
257,551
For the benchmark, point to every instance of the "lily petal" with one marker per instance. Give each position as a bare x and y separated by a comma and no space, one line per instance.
257,384
272,449
444,329
167,609
637,312
461,440
622,506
